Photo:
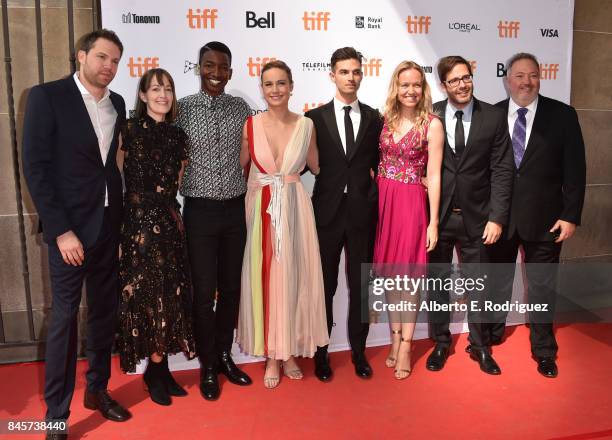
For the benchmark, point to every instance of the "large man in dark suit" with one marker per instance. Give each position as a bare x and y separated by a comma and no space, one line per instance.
345,199
475,199
547,202
69,149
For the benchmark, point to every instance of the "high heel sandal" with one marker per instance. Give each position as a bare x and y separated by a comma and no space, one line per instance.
402,373
392,359
271,381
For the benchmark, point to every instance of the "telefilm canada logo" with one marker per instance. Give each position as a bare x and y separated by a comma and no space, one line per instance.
363,22
133,18
316,66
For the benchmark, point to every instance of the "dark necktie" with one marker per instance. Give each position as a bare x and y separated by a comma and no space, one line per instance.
519,135
348,130
459,135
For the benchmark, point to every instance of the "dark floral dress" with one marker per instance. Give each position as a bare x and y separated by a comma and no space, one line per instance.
156,297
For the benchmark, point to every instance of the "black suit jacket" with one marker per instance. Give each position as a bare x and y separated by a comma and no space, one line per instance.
550,181
63,165
482,180
339,170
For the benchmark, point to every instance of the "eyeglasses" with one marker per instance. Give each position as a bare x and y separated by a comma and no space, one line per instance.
467,79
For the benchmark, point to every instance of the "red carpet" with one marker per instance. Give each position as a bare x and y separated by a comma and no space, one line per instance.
459,402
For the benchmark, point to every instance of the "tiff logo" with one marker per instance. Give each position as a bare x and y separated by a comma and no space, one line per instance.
418,24
547,71
256,65
311,105
508,29
316,21
202,18
550,33
266,22
140,65
371,67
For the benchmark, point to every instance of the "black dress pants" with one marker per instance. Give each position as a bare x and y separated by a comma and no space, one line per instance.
100,271
216,237
337,235
471,251
541,279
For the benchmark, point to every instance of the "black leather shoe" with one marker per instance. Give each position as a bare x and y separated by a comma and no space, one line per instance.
486,361
323,370
234,374
362,368
209,383
173,388
109,408
547,367
437,358
153,378
56,436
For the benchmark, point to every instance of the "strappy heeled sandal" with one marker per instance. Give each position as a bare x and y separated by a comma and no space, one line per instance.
295,373
402,373
392,358
271,381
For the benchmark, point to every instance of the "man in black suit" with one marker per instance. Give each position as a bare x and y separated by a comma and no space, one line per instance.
547,201
476,190
345,199
70,142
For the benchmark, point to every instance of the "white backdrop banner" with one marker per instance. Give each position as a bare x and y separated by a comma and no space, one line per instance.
158,33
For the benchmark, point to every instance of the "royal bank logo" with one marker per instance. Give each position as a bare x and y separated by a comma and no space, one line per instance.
133,18
463,27
316,66
363,22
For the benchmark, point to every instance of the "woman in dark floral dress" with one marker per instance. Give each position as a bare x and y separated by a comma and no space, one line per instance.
155,308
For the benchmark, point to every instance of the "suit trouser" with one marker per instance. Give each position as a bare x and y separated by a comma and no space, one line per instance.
100,270
541,279
471,251
357,242
216,237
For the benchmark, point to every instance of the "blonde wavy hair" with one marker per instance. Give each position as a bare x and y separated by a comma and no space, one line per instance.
392,110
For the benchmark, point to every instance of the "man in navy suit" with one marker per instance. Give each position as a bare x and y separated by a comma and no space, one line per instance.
70,139
549,185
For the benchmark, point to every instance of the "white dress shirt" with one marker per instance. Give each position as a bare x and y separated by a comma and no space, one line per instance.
450,121
355,115
529,116
103,116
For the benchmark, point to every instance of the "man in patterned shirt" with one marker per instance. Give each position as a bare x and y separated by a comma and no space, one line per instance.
214,188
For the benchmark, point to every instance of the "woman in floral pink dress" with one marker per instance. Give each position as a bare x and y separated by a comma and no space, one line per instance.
411,145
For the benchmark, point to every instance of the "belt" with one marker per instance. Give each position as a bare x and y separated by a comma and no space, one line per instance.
201,202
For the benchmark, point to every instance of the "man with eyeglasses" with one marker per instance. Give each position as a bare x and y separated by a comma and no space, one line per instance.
547,201
477,173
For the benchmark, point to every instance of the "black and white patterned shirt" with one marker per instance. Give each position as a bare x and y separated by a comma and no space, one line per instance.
213,125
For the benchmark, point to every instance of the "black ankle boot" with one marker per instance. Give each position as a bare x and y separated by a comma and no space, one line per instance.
156,386
173,388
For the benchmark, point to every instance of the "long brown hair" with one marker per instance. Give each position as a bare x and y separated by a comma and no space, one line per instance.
140,109
392,110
